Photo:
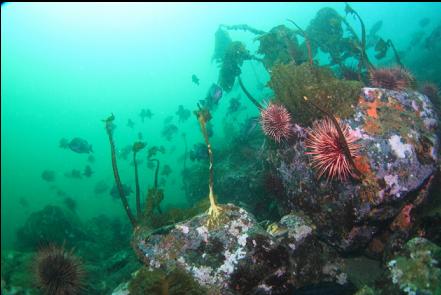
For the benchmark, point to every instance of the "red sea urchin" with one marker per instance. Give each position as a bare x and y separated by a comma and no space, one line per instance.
391,78
327,152
276,122
59,272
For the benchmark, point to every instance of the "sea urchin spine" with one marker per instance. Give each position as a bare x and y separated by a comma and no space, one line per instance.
391,78
59,272
326,149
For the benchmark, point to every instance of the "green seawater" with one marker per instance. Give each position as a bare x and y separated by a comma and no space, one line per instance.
67,66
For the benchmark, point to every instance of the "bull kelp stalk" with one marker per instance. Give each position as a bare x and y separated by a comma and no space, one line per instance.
156,172
342,140
363,56
308,44
109,128
137,146
203,116
249,96
244,27
156,193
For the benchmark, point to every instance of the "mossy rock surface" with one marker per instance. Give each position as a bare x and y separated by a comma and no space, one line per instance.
291,83
176,282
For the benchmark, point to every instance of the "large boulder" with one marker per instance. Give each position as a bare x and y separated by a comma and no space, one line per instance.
398,156
240,257
51,224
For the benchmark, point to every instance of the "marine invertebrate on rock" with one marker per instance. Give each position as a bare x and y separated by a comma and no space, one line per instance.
391,78
58,271
276,122
431,90
403,220
327,152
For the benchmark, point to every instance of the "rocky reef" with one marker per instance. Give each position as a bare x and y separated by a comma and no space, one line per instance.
241,257
417,269
324,220
397,158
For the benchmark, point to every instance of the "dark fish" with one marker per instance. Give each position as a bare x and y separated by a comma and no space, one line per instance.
23,202
77,145
215,93
169,131
235,105
381,48
435,37
70,203
213,97
195,79
145,113
100,187
424,22
248,127
166,170
376,27
199,152
73,174
61,193
152,151
124,152
183,113
130,123
91,159
126,189
88,171
48,175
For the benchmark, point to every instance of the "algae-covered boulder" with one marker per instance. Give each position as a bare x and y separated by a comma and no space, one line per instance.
397,158
16,272
292,83
417,269
240,257
53,224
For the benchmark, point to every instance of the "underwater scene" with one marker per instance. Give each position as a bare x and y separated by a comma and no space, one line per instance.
221,148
